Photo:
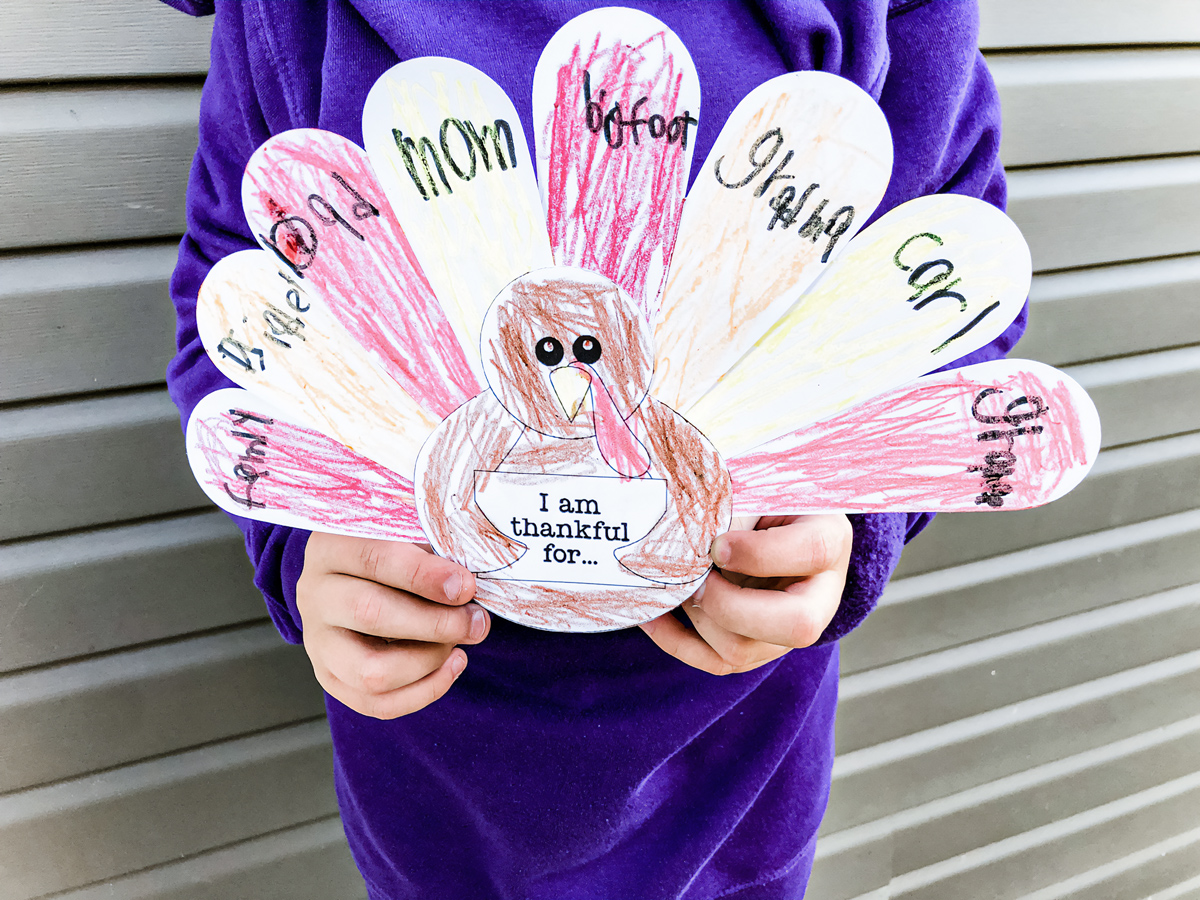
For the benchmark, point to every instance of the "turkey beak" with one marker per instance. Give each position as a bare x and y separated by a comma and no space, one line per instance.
571,387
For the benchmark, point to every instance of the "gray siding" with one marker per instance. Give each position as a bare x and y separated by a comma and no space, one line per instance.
1020,718
157,740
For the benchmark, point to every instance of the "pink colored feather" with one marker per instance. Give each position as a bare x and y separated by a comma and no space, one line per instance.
615,209
942,443
312,197
266,465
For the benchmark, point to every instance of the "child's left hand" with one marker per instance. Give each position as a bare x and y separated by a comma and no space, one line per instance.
777,585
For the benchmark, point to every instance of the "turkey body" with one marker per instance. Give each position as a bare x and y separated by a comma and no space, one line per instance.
608,428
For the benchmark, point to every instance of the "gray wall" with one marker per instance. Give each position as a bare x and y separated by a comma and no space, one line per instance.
1020,718
151,721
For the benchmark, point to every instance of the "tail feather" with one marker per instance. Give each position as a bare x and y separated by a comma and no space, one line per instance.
1008,434
616,98
312,198
252,462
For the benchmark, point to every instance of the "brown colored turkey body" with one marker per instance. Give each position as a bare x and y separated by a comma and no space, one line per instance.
569,364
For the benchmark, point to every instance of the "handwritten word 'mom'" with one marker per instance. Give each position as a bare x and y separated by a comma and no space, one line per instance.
787,208
934,273
465,165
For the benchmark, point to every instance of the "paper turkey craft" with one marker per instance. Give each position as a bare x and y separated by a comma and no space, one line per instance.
572,391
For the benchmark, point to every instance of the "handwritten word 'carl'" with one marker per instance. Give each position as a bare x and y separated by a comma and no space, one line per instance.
1000,464
785,205
465,165
295,239
613,122
935,273
246,470
281,327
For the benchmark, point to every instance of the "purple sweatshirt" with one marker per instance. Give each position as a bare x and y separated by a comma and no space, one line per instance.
563,766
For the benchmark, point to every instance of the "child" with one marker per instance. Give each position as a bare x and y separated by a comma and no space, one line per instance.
557,765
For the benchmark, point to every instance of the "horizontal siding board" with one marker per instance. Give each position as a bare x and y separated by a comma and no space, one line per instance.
310,862
79,463
852,872
1037,804
892,701
886,778
1074,216
1113,311
1037,859
62,721
1144,397
85,321
94,164
1151,872
949,826
1128,484
100,590
1070,107
79,832
926,613
49,39
1188,890
1065,23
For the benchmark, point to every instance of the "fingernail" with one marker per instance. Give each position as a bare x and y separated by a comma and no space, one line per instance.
649,627
453,586
699,595
478,624
458,662
720,552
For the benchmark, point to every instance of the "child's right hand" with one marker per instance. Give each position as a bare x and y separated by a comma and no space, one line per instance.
381,620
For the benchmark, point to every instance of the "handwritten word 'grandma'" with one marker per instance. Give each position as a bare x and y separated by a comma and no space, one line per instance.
471,152
1000,464
786,207
614,122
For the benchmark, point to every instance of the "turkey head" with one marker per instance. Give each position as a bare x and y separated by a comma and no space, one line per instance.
567,355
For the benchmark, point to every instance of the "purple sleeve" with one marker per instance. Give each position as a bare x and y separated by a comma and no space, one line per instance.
232,125
944,112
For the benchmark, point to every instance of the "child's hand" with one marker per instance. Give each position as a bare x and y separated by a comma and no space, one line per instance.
778,586
381,621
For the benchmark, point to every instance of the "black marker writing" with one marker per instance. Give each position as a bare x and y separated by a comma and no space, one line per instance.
786,208
464,149
614,123
294,239
246,470
999,464
934,273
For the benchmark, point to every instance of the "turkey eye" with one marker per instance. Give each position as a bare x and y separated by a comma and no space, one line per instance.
549,351
586,349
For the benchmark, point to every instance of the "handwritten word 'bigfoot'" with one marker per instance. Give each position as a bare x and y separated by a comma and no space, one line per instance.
613,123
934,273
295,239
785,205
474,149
246,470
282,327
1000,464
